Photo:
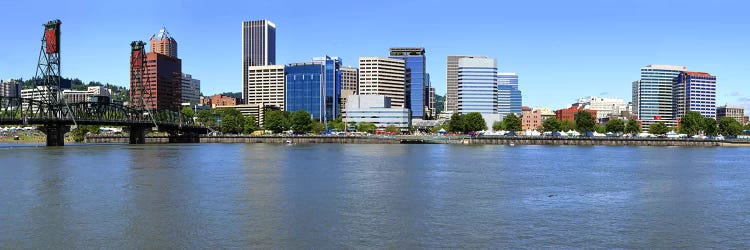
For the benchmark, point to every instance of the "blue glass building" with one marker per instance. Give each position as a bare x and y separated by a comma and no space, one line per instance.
417,83
509,96
314,87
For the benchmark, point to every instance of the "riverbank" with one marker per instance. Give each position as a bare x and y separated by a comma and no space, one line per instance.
580,141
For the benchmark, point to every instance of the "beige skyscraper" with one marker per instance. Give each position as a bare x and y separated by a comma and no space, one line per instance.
383,76
164,44
265,85
349,78
451,77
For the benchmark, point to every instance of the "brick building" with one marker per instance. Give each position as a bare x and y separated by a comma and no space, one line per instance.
216,101
570,113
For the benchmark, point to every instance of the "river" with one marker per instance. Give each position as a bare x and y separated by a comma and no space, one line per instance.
183,196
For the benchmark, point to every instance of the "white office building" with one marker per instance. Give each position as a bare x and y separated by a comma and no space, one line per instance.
376,109
604,106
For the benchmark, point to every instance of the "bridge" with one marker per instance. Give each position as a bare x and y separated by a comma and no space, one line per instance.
54,116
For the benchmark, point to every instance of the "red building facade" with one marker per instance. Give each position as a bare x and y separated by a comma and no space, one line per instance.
216,101
162,80
569,114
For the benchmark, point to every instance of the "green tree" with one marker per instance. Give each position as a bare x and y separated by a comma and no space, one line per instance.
338,124
276,121
230,124
512,122
658,128
188,111
366,127
600,128
632,127
79,133
498,125
567,125
438,128
301,122
729,126
709,126
585,122
392,129
474,122
250,125
692,123
456,124
615,126
551,124
317,127
207,118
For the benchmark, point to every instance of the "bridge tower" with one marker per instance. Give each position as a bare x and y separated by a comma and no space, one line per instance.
137,71
48,76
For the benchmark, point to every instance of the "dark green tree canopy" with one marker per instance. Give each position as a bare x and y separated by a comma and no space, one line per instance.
729,126
474,122
512,122
551,124
633,127
658,128
615,126
301,122
585,122
691,123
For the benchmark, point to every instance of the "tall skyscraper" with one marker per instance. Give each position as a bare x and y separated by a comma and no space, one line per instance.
314,87
695,91
191,89
258,47
655,94
417,85
635,96
383,76
451,77
509,96
265,86
163,43
477,85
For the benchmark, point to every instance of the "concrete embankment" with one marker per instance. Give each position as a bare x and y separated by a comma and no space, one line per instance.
440,140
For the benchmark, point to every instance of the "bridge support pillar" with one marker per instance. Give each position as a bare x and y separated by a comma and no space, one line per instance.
186,137
55,134
137,135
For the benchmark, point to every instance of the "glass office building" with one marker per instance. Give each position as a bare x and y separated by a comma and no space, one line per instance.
695,91
477,85
314,87
655,94
417,83
509,96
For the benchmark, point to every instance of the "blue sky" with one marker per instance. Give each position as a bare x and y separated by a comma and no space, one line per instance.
562,50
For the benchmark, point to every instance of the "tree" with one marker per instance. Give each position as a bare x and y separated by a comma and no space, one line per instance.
729,126
188,111
456,124
230,124
301,122
276,121
600,128
691,123
250,124
567,125
498,125
512,122
392,129
338,124
709,126
615,126
658,128
551,124
366,127
79,133
207,118
585,122
632,127
474,122
317,127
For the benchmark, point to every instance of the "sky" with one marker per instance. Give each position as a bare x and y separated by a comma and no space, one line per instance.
562,50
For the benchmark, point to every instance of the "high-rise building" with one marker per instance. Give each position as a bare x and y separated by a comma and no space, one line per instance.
191,89
349,78
265,86
477,85
694,91
433,109
451,77
383,76
509,96
314,87
10,88
635,96
655,94
737,113
163,43
162,82
417,84
258,47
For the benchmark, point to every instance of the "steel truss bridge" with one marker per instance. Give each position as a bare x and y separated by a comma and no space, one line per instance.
55,116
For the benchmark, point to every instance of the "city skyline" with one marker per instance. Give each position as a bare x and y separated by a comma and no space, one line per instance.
608,54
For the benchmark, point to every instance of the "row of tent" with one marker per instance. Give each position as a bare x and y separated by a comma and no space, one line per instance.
14,129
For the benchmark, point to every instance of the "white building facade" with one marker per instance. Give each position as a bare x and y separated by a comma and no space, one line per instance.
376,109
604,106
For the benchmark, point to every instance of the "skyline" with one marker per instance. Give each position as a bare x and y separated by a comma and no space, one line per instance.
601,56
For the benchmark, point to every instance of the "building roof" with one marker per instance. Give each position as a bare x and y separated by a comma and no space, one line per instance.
163,34
694,73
